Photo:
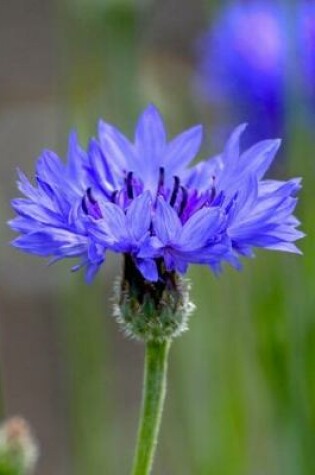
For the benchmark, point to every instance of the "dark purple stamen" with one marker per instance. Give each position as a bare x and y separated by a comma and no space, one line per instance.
84,206
219,199
231,203
184,200
161,177
213,190
90,205
129,185
90,196
175,190
114,196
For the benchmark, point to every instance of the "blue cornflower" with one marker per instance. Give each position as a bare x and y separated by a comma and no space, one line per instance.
143,199
306,50
242,65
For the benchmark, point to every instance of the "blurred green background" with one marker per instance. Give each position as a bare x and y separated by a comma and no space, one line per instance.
241,395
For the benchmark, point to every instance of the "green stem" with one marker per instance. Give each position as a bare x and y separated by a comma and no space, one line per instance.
154,389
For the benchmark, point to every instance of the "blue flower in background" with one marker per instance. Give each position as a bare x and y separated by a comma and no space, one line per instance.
243,63
144,199
306,39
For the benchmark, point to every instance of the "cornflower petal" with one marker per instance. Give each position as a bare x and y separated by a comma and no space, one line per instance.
183,149
100,170
48,242
166,222
259,157
231,150
111,229
150,141
138,216
76,159
200,228
117,147
26,187
148,269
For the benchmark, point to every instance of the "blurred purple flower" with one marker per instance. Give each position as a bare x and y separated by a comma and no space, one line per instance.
141,199
306,38
242,65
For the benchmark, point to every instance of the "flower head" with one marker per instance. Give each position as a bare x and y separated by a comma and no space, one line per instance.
18,448
144,199
242,65
306,43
